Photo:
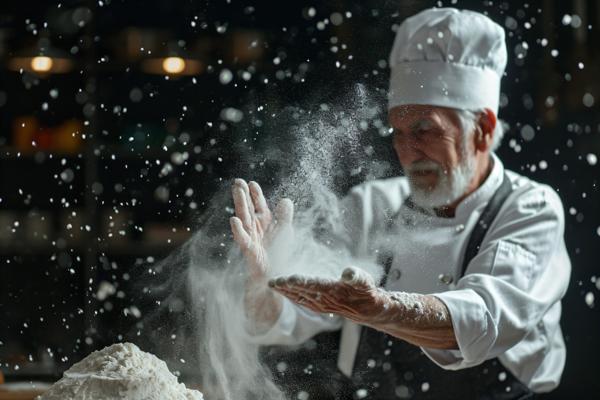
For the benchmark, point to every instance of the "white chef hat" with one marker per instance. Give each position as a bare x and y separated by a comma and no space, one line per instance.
447,57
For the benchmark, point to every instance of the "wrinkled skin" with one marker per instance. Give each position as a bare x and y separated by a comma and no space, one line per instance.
355,296
431,134
419,319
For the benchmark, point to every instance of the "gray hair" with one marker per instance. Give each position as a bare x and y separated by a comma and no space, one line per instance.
468,122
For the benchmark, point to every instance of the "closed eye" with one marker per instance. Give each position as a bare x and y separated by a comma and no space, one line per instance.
416,134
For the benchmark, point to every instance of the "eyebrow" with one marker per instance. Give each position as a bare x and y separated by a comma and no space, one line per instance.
422,124
419,125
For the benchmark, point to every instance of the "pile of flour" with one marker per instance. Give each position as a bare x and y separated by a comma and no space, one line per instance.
118,372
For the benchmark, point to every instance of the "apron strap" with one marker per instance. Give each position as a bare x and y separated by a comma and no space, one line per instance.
485,221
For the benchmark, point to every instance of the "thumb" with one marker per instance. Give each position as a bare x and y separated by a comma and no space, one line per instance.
284,212
357,277
284,216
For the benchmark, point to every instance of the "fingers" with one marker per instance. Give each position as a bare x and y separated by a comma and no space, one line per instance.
350,297
284,215
312,303
242,184
240,235
296,287
256,260
261,207
313,287
352,278
318,303
284,212
240,202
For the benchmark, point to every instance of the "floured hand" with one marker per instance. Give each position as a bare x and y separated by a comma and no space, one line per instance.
355,296
422,320
254,228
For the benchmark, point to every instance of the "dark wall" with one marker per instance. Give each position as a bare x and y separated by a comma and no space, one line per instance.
131,124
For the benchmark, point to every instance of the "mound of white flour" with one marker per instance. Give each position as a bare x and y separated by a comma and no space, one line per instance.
118,372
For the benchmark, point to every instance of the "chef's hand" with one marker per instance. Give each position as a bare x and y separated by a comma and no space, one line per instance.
254,228
422,320
355,296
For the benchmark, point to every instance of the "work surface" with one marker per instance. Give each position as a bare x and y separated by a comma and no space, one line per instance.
22,391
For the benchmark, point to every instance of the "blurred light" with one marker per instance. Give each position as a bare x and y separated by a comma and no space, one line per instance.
41,64
173,65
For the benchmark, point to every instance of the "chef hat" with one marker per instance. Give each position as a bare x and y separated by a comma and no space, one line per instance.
449,58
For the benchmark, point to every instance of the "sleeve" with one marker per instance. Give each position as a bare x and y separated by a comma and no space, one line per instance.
295,325
520,272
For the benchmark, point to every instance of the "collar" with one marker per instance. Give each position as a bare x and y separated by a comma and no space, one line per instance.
484,192
478,198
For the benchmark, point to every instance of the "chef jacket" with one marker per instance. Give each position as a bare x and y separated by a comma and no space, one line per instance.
508,303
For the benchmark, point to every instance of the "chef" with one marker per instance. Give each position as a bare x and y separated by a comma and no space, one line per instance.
474,254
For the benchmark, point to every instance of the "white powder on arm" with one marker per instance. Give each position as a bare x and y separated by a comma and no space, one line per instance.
118,372
422,320
421,308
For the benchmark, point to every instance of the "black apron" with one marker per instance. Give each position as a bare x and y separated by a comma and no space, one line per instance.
389,368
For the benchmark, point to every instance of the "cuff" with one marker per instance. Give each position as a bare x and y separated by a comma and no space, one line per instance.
283,327
473,327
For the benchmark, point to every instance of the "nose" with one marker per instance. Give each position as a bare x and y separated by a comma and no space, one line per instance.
408,150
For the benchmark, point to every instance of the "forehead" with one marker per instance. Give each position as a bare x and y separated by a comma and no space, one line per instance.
408,116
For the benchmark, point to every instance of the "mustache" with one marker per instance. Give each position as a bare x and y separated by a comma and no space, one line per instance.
423,166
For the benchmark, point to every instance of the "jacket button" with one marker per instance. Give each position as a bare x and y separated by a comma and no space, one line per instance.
395,274
460,228
446,278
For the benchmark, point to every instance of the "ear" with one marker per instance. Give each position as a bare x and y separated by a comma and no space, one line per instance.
486,126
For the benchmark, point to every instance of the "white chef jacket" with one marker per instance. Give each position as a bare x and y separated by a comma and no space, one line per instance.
508,303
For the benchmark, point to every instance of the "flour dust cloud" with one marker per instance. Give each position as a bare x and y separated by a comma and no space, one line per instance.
201,316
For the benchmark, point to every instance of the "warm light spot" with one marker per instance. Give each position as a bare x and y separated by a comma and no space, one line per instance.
41,64
173,65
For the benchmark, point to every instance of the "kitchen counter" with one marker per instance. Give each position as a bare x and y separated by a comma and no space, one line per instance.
22,390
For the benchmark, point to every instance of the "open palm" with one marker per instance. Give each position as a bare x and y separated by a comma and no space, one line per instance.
254,227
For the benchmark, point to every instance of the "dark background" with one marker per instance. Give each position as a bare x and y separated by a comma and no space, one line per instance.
147,151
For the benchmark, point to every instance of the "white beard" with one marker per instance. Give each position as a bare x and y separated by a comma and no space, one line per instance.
451,185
